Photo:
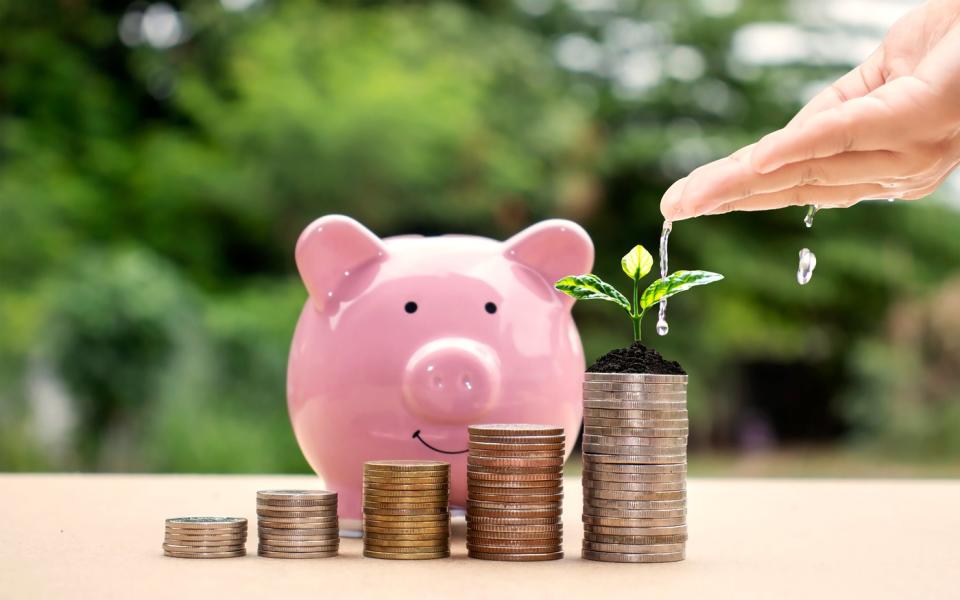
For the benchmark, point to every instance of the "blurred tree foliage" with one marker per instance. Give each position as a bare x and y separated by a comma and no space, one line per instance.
154,177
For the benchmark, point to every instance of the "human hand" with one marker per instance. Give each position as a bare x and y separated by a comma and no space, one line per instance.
888,129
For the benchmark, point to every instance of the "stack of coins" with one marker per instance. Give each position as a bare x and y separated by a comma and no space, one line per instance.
297,523
634,467
205,537
515,492
406,513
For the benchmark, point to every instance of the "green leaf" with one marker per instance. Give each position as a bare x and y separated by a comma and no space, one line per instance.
637,263
674,284
591,287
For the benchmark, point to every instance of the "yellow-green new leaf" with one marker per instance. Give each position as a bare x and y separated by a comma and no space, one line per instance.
674,284
591,287
637,263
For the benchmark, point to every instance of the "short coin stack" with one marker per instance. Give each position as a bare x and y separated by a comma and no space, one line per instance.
634,467
406,513
515,492
205,537
297,523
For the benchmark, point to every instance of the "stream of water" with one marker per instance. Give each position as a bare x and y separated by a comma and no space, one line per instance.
662,327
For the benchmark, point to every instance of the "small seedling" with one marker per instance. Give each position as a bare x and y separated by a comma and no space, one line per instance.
636,264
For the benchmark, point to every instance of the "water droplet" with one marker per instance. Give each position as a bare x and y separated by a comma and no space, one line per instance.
662,327
808,219
808,262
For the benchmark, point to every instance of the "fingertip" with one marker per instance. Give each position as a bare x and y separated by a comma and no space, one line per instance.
671,206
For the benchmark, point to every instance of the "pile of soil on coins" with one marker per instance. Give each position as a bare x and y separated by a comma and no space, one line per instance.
636,358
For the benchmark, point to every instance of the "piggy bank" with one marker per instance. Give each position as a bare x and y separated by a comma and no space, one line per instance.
405,341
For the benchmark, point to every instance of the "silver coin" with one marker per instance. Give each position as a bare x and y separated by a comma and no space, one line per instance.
634,487
649,423
653,442
603,463
634,548
616,386
634,477
635,377
206,522
623,557
680,530
633,496
609,397
634,414
637,504
650,432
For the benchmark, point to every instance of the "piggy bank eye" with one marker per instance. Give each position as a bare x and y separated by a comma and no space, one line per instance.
490,307
410,307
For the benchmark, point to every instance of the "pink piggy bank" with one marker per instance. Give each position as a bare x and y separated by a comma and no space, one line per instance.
405,341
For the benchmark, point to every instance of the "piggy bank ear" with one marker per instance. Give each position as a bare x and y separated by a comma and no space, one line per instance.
329,250
554,248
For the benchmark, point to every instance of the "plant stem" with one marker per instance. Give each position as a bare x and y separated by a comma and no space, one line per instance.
635,316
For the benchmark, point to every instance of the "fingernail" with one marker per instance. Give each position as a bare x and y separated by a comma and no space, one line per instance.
761,158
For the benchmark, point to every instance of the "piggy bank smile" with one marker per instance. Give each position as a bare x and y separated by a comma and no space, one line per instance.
404,342
417,436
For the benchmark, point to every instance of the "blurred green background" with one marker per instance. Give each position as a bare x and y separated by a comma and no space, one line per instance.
157,162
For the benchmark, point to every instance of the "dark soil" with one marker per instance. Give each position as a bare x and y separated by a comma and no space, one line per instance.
636,358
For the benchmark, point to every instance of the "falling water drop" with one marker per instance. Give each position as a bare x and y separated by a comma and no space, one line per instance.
811,210
662,327
808,262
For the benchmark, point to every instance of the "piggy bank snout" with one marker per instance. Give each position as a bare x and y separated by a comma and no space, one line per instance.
451,380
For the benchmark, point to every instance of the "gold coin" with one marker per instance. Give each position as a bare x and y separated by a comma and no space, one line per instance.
489,537
409,502
406,556
485,504
287,549
432,510
633,523
514,513
387,520
297,555
492,528
515,479
406,465
633,539
514,429
474,519
400,488
508,471
520,557
622,557
390,532
280,523
487,461
301,531
441,534
513,491
206,522
679,531
375,541
633,496
229,554
515,548
634,487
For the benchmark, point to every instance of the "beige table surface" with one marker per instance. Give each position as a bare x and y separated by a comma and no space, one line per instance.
98,536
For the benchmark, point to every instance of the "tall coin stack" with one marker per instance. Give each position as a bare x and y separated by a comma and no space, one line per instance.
205,537
515,492
634,467
406,513
297,523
